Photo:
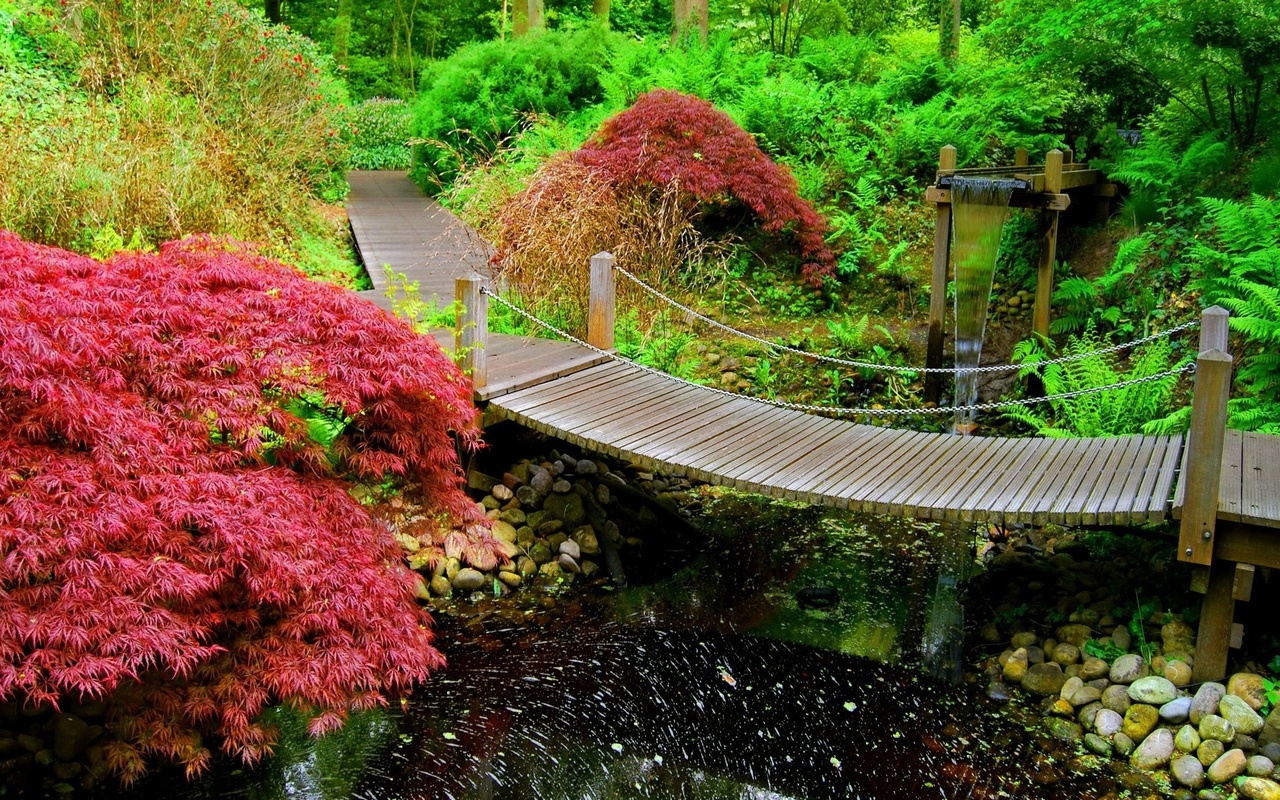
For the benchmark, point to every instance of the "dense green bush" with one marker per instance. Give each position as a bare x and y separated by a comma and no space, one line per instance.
165,119
380,132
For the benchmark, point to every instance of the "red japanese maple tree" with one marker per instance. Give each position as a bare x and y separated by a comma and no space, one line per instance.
172,537
667,137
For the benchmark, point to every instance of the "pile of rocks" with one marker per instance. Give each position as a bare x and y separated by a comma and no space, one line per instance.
56,753
1146,711
558,519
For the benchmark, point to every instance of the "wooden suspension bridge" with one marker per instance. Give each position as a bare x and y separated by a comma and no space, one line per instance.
1223,486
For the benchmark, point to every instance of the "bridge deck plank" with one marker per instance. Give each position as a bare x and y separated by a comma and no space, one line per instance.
725,461
838,436
731,418
559,392
1001,494
745,425
857,443
616,405
1157,500
979,464
1260,495
517,363
1053,472
1114,509
866,457
1113,473
665,420
918,448
794,444
1229,488
912,492
1065,502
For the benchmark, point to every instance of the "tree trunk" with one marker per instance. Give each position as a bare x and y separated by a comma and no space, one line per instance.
949,30
342,34
686,14
275,11
526,16
600,8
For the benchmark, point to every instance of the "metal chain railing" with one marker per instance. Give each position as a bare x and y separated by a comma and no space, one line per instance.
775,346
836,410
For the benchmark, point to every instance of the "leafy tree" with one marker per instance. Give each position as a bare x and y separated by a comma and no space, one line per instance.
667,138
173,537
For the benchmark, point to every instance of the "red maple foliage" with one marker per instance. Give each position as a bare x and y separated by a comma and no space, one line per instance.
667,137
172,539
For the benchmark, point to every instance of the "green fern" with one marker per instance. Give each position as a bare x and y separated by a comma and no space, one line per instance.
1111,413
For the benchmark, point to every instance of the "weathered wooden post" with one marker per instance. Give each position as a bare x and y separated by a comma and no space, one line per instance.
471,328
1048,245
601,302
1203,465
1020,157
938,285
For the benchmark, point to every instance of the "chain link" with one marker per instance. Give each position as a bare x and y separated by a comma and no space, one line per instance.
774,346
836,410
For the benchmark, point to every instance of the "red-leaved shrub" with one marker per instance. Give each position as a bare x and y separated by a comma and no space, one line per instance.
670,138
172,538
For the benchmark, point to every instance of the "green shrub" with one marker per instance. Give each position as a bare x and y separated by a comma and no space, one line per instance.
380,132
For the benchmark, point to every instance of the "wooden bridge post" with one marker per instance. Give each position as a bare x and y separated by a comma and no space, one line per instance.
938,284
601,302
1048,245
1200,505
471,328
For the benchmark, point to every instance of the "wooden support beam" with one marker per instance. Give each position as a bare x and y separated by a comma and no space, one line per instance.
471,328
1020,157
1252,544
938,282
1237,636
1205,441
1214,634
1048,246
1242,585
1042,200
601,302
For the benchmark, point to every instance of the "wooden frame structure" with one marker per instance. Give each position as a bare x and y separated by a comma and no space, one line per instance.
1048,188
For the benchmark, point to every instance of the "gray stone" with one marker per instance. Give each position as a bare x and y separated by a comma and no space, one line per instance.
603,496
1044,678
1210,794
1097,745
1070,687
513,517
1246,743
1122,638
502,493
562,486
468,580
1227,766
1213,726
1063,730
549,526
1124,746
998,691
1155,750
1024,639
1116,698
1084,696
585,467
1035,655
568,563
1238,712
1187,739
1128,668
567,508
1107,722
1153,690
1188,771
70,736
1087,714
1075,634
571,549
1257,766
540,480
1176,710
1206,701
529,497
1272,751
586,540
1065,653
1094,668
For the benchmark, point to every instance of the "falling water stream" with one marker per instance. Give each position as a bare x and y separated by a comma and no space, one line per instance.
979,206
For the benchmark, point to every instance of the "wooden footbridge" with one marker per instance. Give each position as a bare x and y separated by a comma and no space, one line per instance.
1224,486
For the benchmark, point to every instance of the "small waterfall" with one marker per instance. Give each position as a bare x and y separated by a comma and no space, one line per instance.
941,647
979,206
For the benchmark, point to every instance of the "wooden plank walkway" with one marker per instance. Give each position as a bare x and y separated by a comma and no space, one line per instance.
605,406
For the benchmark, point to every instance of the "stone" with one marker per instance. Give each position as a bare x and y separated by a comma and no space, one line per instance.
1209,751
513,517
1128,668
503,530
490,503
1227,766
1062,708
1176,635
1187,739
554,540
1249,688
1015,667
1024,639
1188,771
1070,687
469,580
589,568
1240,714
1139,721
440,586
540,480
1097,745
71,735
1272,751
1178,673
1213,726
1035,655
1087,714
511,579
571,549
1155,750
1206,701
1152,690
998,691
1176,710
1259,788
1075,634
1271,730
586,540
1210,794
1107,722
550,526
1065,654
1245,742
1257,766
540,553
561,487
1044,678
1123,745
585,467
1116,698
1063,730
550,570
529,497
1093,668
1085,695
568,563
527,567
1122,638
502,493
